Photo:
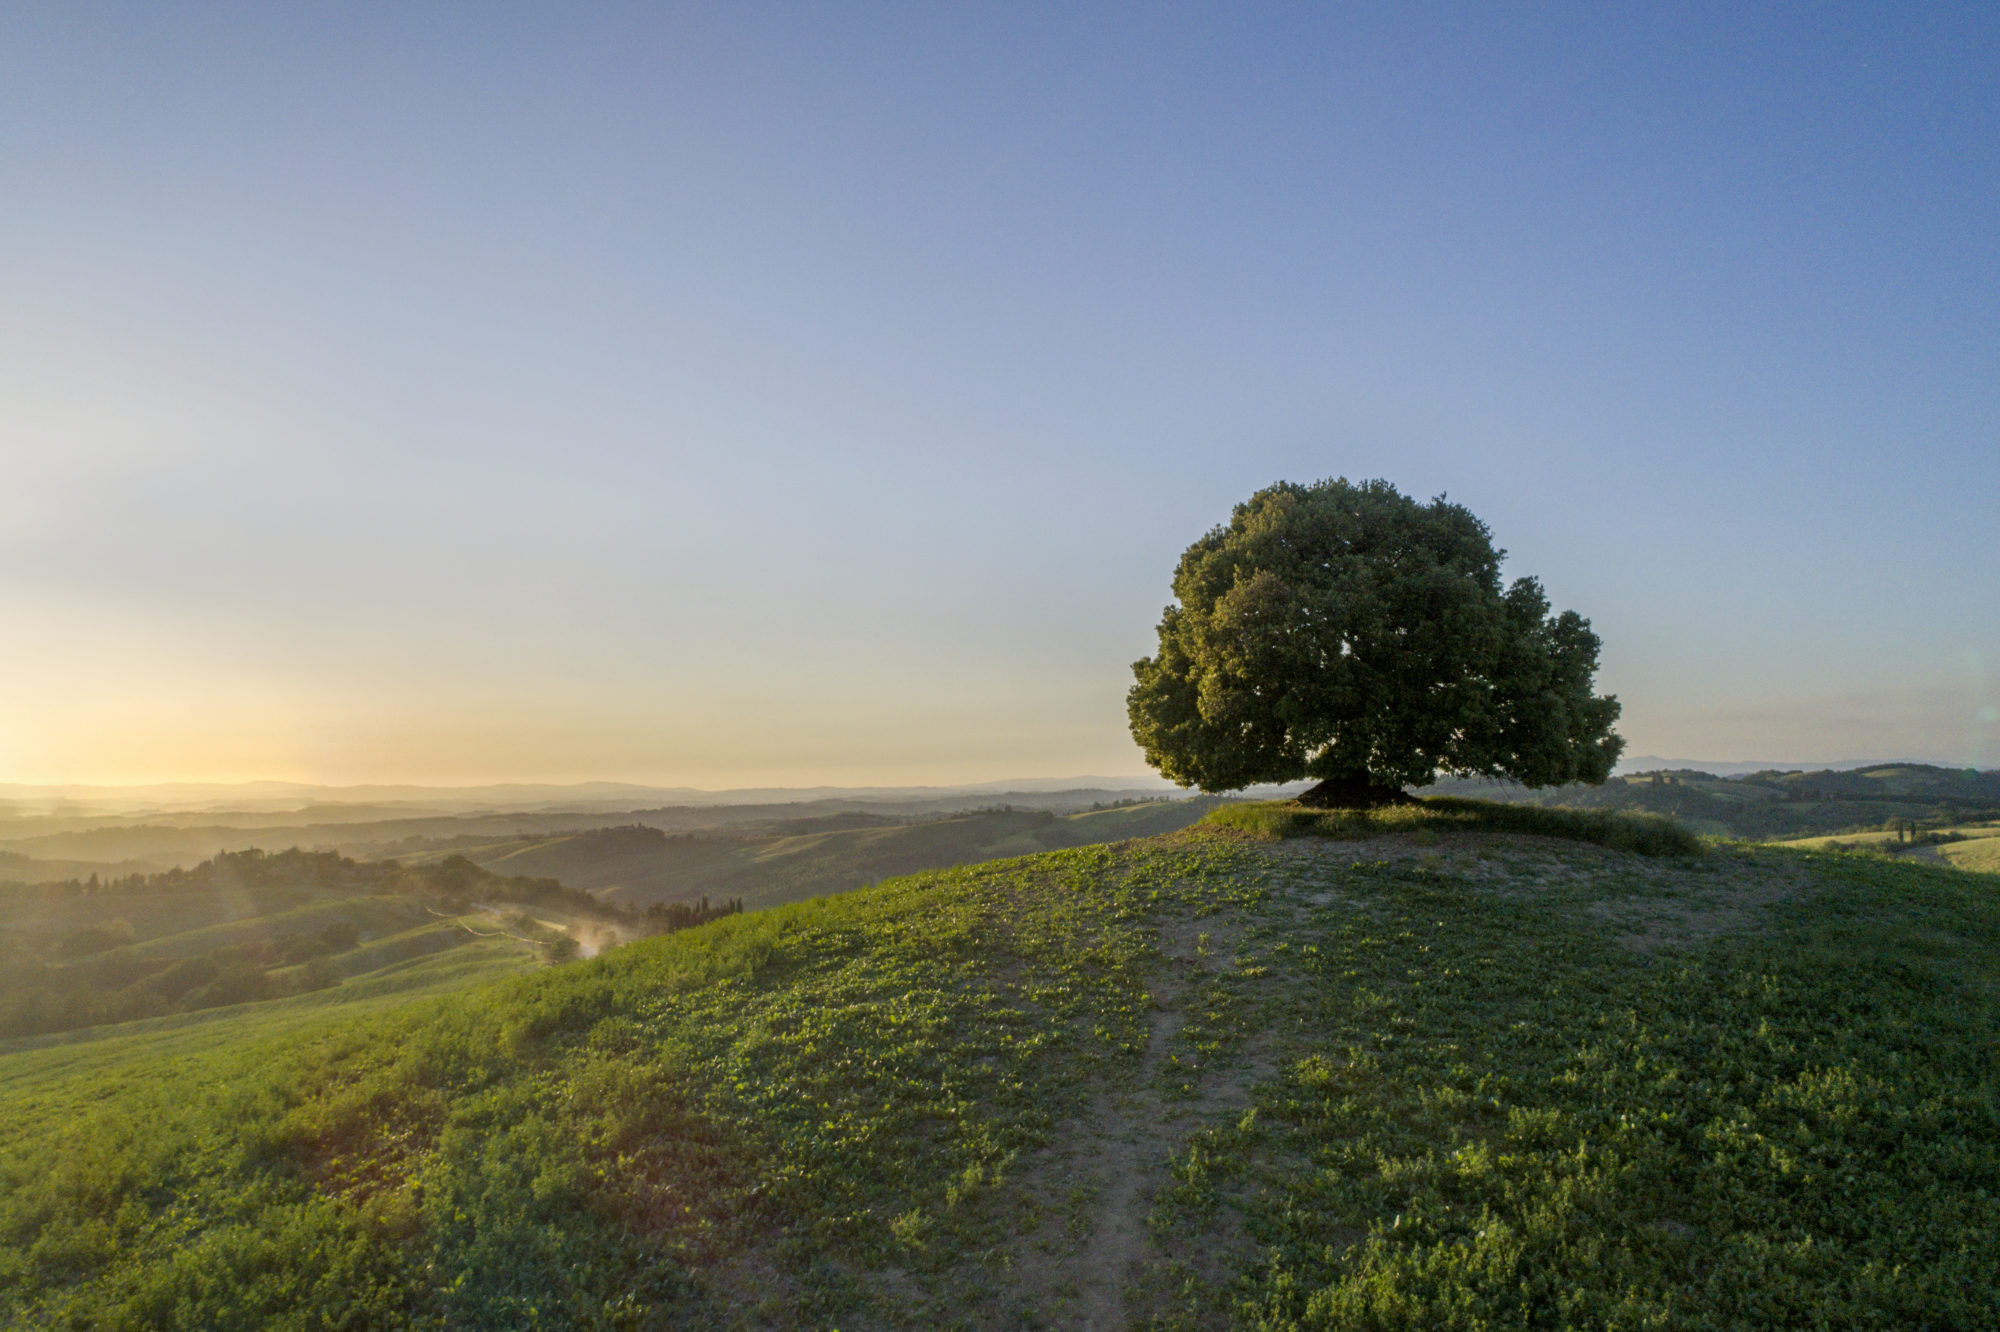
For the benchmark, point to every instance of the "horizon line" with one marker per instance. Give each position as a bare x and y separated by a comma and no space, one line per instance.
1082,781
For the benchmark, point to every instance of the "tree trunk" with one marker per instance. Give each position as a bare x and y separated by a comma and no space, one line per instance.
1355,792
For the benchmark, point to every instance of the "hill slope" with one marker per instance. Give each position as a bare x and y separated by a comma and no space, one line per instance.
1434,1079
793,859
1766,805
75,841
247,927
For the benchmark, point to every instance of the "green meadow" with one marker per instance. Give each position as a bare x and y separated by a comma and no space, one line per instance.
1428,1068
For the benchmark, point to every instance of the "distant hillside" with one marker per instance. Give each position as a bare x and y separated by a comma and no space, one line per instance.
18,868
787,860
221,802
72,842
249,927
1766,805
1413,1076
1634,763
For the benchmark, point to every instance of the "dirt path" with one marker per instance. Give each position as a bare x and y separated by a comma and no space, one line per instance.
1130,1143
1097,1267
1085,1252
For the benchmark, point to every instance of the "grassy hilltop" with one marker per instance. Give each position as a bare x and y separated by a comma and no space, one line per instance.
1426,1069
1776,804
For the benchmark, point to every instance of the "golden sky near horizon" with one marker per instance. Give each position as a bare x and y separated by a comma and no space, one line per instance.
825,395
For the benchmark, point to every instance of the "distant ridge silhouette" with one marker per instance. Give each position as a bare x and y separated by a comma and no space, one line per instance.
1721,768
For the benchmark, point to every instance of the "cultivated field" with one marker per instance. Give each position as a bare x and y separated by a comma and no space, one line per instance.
1970,846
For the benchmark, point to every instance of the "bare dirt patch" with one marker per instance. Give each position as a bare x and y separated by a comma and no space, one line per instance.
1094,1264
1684,910
1649,903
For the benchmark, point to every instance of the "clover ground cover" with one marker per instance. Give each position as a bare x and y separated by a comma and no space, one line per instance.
1437,1077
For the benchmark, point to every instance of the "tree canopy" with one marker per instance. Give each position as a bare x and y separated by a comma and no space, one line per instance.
1346,632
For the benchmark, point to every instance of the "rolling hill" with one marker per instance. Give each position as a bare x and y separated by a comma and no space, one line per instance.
1980,853
788,860
247,926
1769,805
63,842
1433,1068
1972,846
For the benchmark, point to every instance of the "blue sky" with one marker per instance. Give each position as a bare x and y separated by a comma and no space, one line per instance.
741,394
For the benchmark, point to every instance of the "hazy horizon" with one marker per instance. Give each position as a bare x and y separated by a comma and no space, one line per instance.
755,397
278,789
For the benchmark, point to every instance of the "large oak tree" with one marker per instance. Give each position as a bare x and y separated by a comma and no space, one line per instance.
1348,633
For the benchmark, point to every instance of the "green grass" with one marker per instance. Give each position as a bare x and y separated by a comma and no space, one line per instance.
1423,1081
421,975
562,1136
1644,834
1787,1127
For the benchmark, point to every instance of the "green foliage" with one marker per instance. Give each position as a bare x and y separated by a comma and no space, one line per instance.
1644,834
1788,1128
89,939
1348,633
589,1146
1430,1083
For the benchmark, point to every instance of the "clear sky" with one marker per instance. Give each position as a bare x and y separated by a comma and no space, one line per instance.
737,394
